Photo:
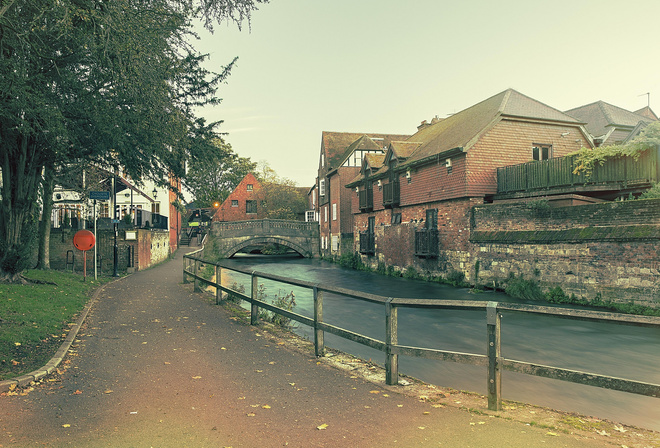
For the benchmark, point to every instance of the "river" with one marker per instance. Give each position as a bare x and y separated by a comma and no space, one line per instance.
617,350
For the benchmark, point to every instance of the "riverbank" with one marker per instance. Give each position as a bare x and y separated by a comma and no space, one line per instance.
514,286
553,421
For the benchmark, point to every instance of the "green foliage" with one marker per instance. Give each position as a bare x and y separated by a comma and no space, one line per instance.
113,83
520,288
456,278
351,261
234,298
33,318
652,193
280,198
286,302
412,274
274,249
213,177
587,158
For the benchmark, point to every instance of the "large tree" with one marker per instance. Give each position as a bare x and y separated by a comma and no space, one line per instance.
212,178
108,82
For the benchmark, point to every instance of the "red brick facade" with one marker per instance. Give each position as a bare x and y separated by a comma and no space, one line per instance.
243,203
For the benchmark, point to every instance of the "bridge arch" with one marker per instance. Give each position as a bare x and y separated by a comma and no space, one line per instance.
231,237
230,252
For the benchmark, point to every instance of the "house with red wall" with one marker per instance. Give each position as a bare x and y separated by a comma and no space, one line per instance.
340,160
243,203
412,206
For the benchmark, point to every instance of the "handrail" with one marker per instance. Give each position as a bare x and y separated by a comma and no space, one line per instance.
493,360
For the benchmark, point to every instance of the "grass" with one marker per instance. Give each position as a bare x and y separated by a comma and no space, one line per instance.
34,318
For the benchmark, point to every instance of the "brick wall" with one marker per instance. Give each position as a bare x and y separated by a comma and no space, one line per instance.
148,248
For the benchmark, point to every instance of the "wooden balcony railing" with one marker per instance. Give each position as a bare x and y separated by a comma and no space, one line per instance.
426,243
367,243
621,172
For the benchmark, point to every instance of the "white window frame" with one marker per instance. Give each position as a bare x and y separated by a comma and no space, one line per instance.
325,213
334,211
321,187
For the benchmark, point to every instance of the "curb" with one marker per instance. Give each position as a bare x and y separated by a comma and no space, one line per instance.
60,354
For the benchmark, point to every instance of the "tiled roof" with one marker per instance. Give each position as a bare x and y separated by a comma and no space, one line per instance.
600,117
648,113
374,161
335,144
462,129
403,150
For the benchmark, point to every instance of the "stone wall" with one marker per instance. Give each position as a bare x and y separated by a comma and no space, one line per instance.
610,249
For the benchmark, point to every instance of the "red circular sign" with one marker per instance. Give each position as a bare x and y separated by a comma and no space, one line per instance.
84,240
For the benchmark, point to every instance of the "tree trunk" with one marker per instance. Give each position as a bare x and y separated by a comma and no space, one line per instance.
48,184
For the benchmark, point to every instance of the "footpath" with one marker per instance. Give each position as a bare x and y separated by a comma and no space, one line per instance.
157,365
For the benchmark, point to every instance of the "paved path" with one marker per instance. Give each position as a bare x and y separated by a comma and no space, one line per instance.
159,366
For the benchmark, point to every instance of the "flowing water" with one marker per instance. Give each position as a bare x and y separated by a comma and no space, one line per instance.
617,350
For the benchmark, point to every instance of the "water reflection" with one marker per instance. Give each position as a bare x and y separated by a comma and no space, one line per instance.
617,350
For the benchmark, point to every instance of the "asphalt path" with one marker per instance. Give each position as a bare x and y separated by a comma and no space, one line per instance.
157,365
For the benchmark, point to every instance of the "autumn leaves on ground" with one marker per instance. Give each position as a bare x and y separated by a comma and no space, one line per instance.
158,365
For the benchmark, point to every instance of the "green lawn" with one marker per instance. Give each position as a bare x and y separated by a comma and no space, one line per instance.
34,318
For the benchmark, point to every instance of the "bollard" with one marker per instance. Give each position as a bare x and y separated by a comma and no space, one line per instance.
319,345
392,338
493,324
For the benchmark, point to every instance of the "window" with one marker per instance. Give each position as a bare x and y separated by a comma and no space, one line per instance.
396,218
334,211
310,216
541,152
249,187
325,213
105,210
314,198
155,207
234,202
335,242
250,206
322,187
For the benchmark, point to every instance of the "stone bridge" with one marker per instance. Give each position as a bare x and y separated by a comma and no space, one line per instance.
227,238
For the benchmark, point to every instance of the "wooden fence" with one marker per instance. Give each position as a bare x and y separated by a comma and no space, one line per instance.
493,360
558,172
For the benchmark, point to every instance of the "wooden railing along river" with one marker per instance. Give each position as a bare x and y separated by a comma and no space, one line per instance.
493,360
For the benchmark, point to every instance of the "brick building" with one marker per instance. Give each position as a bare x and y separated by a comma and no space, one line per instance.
411,207
243,203
340,160
612,125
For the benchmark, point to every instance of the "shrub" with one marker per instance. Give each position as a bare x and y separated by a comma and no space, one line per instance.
520,288
234,297
456,278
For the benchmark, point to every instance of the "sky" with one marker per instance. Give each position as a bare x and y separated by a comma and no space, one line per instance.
384,66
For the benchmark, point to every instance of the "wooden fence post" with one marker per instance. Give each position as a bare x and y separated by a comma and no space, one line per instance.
319,345
197,288
254,309
493,324
218,284
391,338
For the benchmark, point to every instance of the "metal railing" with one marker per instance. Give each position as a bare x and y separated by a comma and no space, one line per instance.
427,243
367,243
493,360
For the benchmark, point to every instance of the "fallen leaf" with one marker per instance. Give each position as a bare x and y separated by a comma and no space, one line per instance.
17,344
223,348
66,425
77,392
374,391
321,427
251,414
427,413
603,433
620,428
399,405
551,434
265,406
196,377
107,391
421,427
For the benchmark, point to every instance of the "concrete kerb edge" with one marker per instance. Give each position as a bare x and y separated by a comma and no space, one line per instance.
60,354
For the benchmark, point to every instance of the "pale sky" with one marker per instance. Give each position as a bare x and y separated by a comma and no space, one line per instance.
383,66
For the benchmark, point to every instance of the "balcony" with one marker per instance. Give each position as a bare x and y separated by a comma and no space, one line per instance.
557,174
367,243
426,243
366,200
391,194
